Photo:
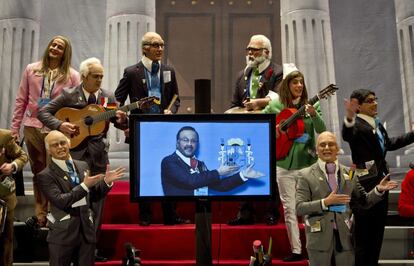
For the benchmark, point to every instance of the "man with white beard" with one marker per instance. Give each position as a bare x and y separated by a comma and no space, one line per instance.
257,84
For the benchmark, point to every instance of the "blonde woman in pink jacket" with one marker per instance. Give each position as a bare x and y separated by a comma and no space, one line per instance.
41,82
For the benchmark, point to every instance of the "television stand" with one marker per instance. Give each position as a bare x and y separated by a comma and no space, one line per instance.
203,233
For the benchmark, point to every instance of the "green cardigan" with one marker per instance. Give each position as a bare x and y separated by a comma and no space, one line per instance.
301,155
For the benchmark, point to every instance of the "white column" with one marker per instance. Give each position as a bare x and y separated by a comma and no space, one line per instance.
405,22
127,21
307,42
19,43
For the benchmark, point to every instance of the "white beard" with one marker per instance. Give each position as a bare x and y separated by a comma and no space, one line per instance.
254,62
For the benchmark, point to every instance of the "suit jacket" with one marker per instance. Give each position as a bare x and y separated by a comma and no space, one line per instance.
29,92
70,222
178,179
270,78
365,147
96,145
134,85
312,187
10,151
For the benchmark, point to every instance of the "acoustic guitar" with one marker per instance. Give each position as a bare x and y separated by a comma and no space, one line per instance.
92,119
291,125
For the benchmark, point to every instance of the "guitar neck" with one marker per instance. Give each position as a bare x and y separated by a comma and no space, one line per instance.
112,113
301,111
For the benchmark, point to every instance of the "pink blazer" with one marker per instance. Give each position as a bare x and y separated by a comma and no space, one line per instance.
30,88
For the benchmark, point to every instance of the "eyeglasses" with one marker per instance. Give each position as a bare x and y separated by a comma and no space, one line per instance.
325,145
370,100
156,45
56,144
96,76
189,141
253,49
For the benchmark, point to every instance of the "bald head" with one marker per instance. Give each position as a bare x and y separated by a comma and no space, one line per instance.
327,147
58,145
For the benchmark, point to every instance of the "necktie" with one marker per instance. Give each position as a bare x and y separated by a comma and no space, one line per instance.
92,98
193,163
73,175
255,83
330,170
379,134
155,80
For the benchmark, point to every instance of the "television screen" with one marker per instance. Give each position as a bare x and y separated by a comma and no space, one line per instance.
202,156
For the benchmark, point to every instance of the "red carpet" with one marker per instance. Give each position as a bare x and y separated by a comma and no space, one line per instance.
175,245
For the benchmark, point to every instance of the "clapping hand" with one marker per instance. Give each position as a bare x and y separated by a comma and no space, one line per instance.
249,172
386,184
335,198
113,175
91,181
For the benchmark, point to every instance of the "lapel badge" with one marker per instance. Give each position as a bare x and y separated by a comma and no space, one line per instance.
143,81
321,178
66,178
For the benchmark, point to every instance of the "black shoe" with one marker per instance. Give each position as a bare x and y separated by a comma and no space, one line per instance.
241,221
177,220
144,222
293,257
271,220
100,258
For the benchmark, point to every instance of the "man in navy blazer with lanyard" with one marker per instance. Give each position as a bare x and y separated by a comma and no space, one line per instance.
369,143
149,77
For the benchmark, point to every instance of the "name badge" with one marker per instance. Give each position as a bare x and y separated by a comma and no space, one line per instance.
167,76
316,227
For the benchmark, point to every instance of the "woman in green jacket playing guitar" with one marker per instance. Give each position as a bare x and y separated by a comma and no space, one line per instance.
297,120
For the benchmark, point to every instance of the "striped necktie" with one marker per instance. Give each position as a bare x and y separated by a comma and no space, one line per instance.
379,134
72,173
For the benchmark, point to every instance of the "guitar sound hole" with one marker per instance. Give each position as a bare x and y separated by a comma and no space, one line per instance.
88,121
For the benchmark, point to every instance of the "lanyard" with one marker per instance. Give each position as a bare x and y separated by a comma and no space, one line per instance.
43,88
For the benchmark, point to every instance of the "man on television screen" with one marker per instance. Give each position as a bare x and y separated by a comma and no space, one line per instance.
182,174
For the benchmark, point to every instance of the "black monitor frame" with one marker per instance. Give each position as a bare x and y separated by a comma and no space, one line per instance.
135,121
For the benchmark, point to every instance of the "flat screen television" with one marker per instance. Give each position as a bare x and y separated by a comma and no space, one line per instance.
161,165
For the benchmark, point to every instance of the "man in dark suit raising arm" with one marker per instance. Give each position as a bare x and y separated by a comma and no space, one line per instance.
324,192
70,189
369,143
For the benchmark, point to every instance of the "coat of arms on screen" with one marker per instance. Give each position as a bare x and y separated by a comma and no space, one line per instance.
236,151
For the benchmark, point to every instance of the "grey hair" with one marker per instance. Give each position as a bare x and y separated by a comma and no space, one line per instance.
266,42
86,64
147,38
